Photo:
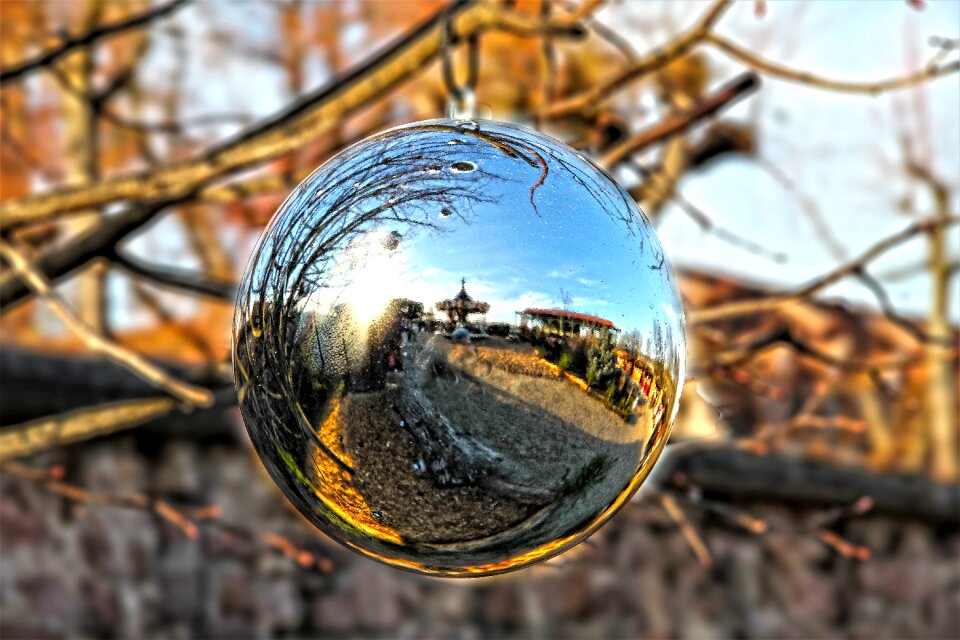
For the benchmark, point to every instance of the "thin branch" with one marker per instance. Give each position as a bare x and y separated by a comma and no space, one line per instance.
97,343
549,52
190,333
590,99
690,533
614,39
189,520
176,278
809,208
782,72
742,519
886,305
39,435
739,308
673,125
566,24
47,58
176,128
706,224
839,544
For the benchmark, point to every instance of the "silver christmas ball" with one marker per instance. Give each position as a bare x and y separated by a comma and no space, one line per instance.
459,347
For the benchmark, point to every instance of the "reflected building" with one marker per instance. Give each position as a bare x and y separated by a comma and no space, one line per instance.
561,322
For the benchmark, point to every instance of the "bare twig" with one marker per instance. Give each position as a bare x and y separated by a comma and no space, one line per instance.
191,334
97,343
809,208
614,39
690,533
47,58
705,223
739,308
189,520
593,97
782,72
176,278
842,546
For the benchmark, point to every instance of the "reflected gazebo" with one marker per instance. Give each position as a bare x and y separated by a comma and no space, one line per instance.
461,305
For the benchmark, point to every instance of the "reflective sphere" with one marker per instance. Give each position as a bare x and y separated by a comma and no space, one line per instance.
458,347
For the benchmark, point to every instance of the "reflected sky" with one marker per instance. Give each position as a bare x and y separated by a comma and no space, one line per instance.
541,227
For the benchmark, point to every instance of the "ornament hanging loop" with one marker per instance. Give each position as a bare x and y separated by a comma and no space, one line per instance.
462,107
461,98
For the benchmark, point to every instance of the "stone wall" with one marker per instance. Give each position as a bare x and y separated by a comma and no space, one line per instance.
70,571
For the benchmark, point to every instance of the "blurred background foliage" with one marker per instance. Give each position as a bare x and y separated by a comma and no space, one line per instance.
800,160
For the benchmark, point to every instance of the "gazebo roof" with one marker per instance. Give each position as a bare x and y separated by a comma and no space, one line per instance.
463,295
463,301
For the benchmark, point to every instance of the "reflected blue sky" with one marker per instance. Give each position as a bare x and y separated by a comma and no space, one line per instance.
578,241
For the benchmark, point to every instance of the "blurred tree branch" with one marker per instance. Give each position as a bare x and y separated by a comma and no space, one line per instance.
72,43
673,125
290,129
97,343
43,434
782,72
589,100
738,308
188,520
176,278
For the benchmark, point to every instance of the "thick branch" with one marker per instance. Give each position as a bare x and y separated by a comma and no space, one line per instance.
47,58
734,473
46,433
97,343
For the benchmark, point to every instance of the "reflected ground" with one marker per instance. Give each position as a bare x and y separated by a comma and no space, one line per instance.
470,433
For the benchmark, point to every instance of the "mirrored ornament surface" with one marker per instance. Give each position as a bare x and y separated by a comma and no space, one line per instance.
458,347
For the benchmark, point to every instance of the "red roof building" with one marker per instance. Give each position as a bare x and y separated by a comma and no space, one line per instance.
565,322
